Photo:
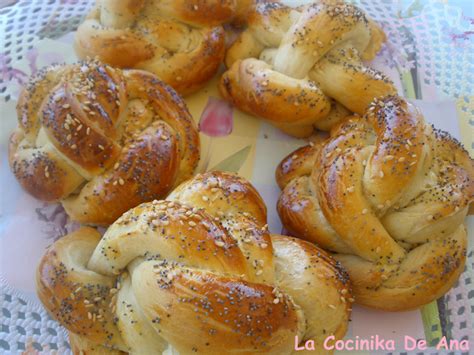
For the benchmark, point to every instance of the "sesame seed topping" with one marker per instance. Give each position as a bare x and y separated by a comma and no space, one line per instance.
219,243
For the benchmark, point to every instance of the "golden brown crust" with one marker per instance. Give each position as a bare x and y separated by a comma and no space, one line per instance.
90,135
336,114
199,272
221,191
337,76
81,346
387,194
192,69
61,179
180,41
320,271
145,169
74,295
203,13
291,104
239,318
318,48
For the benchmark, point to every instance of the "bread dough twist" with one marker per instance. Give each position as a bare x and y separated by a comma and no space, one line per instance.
289,62
199,271
387,194
101,140
182,42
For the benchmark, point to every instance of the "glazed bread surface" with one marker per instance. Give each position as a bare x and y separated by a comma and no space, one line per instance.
101,140
387,194
290,62
199,272
182,42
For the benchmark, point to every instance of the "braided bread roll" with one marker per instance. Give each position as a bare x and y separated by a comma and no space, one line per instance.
289,61
101,140
199,272
182,42
387,194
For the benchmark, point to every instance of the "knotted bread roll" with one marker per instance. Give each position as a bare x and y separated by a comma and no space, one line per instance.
180,41
289,62
199,272
387,194
101,140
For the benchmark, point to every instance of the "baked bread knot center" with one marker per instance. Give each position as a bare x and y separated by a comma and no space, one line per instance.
387,194
198,271
295,66
89,135
183,42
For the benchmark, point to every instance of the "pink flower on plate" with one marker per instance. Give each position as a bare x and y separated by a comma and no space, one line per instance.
7,73
32,57
217,118
42,59
461,39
